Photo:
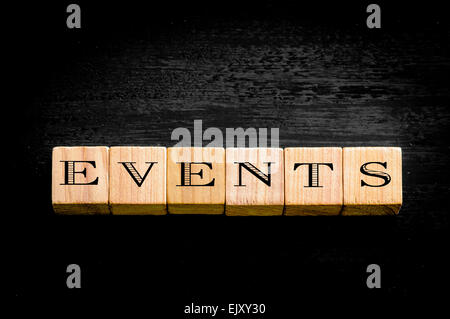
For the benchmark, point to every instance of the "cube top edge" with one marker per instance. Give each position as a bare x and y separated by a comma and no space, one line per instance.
78,147
195,148
313,148
392,149
253,148
138,147
373,147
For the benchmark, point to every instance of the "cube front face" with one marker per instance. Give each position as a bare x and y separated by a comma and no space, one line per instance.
255,181
80,180
196,180
137,180
372,180
313,181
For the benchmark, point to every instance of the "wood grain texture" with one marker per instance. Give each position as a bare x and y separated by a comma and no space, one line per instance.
146,196
80,199
193,196
368,200
248,195
325,196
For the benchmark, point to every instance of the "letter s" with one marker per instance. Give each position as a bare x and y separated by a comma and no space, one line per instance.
385,176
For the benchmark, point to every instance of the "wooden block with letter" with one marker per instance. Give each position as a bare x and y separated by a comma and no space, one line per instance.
137,180
255,181
313,180
372,180
196,180
80,180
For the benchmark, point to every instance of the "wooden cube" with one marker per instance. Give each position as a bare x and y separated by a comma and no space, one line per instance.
80,180
255,181
195,180
372,180
313,180
137,180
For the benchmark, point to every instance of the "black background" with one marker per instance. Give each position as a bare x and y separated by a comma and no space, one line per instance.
136,71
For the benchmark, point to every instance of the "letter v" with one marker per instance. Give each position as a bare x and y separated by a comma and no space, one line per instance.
138,179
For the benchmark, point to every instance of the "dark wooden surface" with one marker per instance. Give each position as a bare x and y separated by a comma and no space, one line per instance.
322,80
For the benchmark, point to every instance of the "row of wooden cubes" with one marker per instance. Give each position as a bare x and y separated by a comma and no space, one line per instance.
235,181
